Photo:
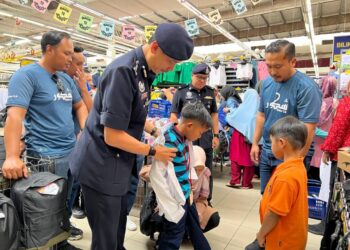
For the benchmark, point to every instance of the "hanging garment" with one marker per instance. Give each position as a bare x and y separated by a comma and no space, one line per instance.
262,71
244,71
217,76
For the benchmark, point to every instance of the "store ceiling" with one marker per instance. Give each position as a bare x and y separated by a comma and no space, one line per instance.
269,19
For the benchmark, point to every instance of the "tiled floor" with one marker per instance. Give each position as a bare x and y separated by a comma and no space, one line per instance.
239,212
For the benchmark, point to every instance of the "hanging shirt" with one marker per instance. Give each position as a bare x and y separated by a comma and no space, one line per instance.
217,76
244,71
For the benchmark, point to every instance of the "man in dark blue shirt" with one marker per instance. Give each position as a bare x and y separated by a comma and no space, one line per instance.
104,157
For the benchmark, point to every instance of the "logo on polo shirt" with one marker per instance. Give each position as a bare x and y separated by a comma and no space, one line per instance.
282,108
142,87
67,97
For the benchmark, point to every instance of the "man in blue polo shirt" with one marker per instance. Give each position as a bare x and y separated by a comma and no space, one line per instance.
44,97
286,92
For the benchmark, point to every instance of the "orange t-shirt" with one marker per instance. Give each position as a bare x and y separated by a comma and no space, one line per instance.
286,195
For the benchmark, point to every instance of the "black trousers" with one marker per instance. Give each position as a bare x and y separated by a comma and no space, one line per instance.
209,164
107,219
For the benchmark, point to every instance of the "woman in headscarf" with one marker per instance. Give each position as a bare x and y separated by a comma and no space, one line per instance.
329,105
243,120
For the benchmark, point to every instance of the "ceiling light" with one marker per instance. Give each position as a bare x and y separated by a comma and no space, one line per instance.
30,21
88,10
10,35
5,14
37,37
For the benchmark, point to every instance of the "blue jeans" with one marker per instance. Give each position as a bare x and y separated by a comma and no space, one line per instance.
268,163
173,233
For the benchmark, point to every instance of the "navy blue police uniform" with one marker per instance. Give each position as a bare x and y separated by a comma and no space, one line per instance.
188,94
120,103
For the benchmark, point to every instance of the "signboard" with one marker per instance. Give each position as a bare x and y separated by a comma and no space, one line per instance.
340,43
85,22
149,31
107,29
215,17
192,27
62,13
239,6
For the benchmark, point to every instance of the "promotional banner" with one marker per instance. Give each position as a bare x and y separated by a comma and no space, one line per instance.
62,13
239,6
85,22
107,29
149,31
340,43
128,32
215,17
41,5
192,27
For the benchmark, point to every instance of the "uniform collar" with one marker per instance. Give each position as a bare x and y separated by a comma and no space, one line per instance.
142,61
193,89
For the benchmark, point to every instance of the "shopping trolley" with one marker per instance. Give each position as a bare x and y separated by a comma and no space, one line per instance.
34,165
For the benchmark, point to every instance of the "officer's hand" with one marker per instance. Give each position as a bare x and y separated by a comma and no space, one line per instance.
14,168
215,142
254,153
164,154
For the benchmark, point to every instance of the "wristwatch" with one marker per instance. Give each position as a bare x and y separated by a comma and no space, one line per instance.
152,151
216,135
153,131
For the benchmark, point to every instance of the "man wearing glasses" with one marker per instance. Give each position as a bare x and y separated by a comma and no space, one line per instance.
43,97
199,90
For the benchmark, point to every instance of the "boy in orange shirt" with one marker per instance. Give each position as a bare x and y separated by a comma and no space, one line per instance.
284,205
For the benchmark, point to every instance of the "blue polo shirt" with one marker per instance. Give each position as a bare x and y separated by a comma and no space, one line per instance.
48,122
173,139
300,97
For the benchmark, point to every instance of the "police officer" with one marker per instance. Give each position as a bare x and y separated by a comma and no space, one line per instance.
199,91
104,157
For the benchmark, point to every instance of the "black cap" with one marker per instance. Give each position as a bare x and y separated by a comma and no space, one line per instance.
174,41
201,68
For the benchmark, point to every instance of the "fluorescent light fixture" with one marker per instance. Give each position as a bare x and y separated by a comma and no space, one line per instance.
94,25
82,7
5,14
37,37
31,22
223,31
10,35
23,42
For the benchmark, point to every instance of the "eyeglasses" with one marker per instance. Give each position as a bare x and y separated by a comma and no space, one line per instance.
59,83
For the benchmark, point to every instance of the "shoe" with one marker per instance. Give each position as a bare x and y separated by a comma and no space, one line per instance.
75,233
233,185
246,187
317,229
68,246
78,213
130,225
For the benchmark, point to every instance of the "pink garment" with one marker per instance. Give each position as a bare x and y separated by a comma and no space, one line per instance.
201,186
237,175
240,150
262,71
233,65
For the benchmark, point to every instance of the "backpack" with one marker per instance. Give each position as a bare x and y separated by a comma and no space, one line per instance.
9,225
150,220
40,200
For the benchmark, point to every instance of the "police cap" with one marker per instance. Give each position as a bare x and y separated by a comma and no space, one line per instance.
201,68
174,41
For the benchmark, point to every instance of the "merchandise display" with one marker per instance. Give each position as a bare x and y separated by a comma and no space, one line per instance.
100,101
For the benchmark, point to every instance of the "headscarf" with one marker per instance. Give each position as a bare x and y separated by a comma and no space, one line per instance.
328,87
244,117
229,91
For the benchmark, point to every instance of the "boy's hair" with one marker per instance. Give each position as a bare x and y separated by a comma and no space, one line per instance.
197,112
291,129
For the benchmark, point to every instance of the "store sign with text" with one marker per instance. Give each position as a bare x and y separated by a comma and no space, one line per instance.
149,31
340,43
41,5
239,6
128,32
62,13
85,22
107,29
215,17
192,27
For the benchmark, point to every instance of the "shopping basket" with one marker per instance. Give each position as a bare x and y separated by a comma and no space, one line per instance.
317,207
159,108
